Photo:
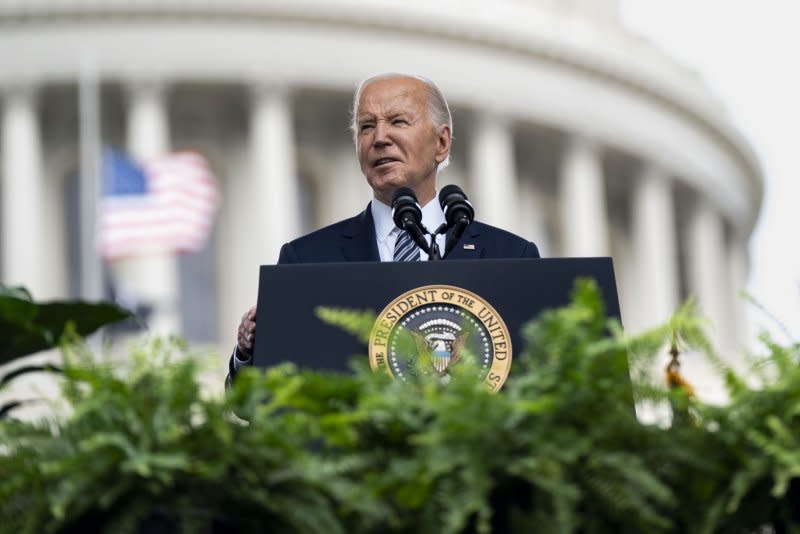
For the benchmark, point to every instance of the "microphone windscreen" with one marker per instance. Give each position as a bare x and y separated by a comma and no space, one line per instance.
455,205
448,191
405,209
401,192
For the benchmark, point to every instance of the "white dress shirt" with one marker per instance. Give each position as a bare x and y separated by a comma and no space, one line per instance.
386,232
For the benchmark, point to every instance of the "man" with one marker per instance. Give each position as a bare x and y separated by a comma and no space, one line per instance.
403,131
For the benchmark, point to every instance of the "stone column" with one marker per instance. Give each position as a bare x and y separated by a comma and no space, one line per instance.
654,249
583,220
626,274
707,267
23,220
532,215
738,267
273,183
265,203
151,279
493,173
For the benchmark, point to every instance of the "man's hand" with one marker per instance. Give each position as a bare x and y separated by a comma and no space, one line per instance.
246,335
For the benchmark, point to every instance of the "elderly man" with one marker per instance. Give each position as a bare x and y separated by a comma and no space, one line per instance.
403,131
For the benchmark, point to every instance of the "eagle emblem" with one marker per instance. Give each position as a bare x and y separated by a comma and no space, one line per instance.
441,349
429,330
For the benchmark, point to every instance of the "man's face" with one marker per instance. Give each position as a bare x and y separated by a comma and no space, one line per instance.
396,141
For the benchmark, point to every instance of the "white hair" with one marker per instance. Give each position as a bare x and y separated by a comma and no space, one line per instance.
438,110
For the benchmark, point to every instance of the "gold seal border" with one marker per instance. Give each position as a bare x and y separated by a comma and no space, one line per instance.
451,295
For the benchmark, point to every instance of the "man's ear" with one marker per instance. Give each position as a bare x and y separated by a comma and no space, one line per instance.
444,142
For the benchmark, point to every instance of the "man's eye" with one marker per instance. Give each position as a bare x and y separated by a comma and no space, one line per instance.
365,127
399,121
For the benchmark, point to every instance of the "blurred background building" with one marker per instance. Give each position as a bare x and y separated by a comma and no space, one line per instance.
569,130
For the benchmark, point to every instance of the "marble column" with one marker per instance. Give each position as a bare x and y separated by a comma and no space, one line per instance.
492,171
583,219
532,215
150,279
738,267
274,182
265,201
23,221
654,249
625,272
707,267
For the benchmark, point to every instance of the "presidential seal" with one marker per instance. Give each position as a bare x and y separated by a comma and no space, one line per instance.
432,329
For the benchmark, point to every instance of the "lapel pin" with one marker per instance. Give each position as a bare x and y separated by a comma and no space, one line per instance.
469,246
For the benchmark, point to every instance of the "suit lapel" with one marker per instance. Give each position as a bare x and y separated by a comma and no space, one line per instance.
469,246
359,243
358,238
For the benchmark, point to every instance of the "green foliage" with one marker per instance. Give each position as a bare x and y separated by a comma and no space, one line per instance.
143,444
559,449
357,323
757,439
27,326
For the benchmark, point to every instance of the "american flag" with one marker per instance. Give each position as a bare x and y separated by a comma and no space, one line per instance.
166,205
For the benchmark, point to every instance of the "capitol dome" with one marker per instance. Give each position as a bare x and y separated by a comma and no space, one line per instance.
569,130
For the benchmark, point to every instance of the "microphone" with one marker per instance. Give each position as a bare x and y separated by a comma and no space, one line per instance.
407,215
458,212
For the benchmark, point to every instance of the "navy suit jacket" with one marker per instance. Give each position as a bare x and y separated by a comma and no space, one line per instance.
354,240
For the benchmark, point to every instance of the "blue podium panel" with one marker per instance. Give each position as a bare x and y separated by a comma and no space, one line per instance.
289,330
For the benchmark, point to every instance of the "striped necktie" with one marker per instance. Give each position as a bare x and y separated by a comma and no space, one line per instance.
405,249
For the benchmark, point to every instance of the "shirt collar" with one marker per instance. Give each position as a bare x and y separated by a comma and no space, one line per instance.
432,217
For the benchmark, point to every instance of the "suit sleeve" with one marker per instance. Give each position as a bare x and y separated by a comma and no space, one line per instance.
236,362
287,255
530,250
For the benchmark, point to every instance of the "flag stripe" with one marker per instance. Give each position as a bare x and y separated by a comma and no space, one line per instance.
167,205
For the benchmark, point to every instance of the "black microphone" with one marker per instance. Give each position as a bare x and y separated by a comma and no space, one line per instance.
407,215
458,212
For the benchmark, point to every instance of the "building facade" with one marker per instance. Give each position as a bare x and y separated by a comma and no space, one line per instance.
569,130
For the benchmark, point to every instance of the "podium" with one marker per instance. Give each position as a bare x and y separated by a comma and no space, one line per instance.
416,295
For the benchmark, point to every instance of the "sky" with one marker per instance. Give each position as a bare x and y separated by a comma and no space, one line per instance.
748,53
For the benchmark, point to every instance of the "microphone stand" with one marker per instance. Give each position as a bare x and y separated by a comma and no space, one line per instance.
455,235
417,232
434,254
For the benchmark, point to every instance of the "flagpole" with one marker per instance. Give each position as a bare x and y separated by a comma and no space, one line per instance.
91,266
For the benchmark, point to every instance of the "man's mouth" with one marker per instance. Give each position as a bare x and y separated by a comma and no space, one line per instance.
383,161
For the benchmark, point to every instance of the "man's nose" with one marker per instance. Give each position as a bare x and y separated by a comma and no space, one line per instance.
382,137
